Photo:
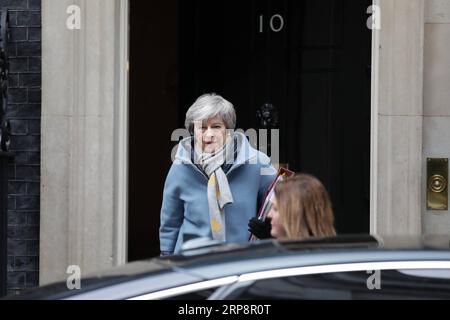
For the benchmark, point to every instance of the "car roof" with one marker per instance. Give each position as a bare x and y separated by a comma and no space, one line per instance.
270,247
202,263
104,278
278,254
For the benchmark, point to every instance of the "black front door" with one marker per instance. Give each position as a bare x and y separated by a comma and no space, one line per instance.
311,60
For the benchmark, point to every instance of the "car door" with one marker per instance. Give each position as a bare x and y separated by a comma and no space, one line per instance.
393,280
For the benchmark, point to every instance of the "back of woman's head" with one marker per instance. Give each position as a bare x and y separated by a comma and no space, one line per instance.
305,208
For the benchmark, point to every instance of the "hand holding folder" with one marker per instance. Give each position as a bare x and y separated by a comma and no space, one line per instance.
282,174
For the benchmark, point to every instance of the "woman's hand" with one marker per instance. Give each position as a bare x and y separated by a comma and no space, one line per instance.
260,228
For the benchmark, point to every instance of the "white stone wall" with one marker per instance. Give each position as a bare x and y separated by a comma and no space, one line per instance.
81,106
436,113
397,109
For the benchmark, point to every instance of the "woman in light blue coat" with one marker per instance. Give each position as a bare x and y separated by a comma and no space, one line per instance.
216,182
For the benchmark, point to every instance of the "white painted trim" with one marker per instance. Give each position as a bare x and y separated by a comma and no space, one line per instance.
374,127
289,272
187,288
121,135
345,267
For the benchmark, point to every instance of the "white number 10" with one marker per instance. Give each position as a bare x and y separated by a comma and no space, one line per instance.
271,23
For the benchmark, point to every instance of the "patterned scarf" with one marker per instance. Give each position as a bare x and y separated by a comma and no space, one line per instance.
219,193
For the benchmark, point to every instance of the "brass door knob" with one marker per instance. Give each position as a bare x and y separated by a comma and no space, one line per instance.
437,183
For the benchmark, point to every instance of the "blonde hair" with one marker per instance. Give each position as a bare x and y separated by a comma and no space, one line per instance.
305,208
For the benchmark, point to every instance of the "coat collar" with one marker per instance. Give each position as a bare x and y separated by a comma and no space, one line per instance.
246,153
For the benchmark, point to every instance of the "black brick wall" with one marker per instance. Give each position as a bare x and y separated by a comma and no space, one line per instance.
24,111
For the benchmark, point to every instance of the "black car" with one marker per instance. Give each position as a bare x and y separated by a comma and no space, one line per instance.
343,267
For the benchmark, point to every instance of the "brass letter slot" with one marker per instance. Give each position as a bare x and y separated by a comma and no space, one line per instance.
437,177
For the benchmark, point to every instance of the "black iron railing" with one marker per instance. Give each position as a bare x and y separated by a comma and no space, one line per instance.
4,158
5,133
5,128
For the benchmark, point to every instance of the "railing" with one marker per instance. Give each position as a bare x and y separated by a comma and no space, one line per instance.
4,158
5,128
5,133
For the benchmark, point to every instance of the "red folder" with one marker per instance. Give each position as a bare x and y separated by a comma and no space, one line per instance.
282,174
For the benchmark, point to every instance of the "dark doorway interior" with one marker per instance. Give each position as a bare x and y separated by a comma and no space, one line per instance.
153,115
310,59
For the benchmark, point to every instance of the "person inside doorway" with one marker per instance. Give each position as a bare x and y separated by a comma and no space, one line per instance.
217,179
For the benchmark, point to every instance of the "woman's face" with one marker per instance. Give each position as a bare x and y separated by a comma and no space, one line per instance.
278,230
212,134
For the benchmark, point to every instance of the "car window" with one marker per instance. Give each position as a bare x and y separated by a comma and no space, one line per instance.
428,273
385,284
195,295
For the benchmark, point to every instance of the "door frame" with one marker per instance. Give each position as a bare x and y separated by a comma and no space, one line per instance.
397,108
374,126
121,135
121,230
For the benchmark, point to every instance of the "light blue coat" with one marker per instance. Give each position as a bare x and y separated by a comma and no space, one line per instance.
185,205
